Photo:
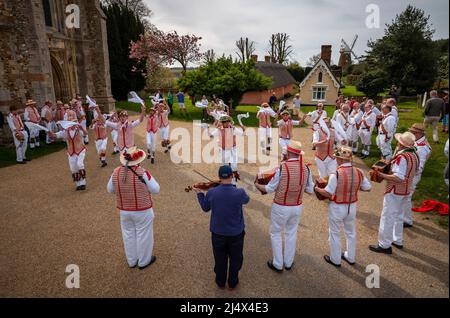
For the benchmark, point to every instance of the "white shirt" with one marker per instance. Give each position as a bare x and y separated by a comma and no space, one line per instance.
273,184
63,135
236,132
389,123
152,184
44,111
446,148
267,110
297,102
10,121
370,120
377,111
332,182
399,170
117,126
315,115
294,122
423,152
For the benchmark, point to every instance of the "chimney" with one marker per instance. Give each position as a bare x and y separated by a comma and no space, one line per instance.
255,58
326,54
268,59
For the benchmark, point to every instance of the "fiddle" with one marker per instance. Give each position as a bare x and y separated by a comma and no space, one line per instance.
204,186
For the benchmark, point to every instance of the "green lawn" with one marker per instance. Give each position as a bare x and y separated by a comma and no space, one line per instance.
351,91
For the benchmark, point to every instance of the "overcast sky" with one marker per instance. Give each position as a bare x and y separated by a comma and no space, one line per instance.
310,23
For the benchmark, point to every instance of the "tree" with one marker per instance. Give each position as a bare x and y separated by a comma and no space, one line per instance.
297,72
313,60
209,56
123,26
158,48
137,6
372,82
161,79
245,49
405,52
279,48
225,78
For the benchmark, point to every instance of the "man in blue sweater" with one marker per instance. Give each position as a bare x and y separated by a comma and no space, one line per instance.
227,226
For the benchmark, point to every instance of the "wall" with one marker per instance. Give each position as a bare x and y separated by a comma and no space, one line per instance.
257,98
306,92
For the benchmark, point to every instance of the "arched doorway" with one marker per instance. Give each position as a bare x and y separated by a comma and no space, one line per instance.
59,81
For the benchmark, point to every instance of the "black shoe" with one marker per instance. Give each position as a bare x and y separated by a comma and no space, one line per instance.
21,162
78,188
270,265
152,161
346,260
289,268
328,260
26,159
148,156
83,187
104,164
379,249
406,225
166,151
132,266
153,259
115,153
400,247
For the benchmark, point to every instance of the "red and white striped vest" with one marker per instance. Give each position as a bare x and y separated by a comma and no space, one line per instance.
325,150
286,129
227,139
48,113
164,119
100,131
153,124
75,145
264,120
60,113
33,114
346,191
404,188
18,124
294,176
125,136
131,194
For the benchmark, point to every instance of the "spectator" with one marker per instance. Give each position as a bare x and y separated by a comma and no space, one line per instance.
273,99
446,168
181,103
394,93
227,227
434,110
170,101
297,102
446,112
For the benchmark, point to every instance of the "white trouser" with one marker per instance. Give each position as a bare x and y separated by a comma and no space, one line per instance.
86,136
229,157
114,136
34,137
433,121
137,234
284,143
366,140
385,146
164,131
51,127
408,218
338,215
264,135
101,145
284,219
21,147
391,222
76,163
326,167
151,141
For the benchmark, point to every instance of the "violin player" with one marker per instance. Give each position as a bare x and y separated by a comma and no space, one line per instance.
227,226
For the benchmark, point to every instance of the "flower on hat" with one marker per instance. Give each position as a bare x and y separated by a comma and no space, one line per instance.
133,156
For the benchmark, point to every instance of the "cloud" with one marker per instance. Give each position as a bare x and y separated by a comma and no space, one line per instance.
310,23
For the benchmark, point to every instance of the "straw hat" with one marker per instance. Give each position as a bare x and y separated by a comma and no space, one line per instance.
225,119
66,106
265,105
122,113
295,147
344,153
30,102
285,113
406,139
417,128
59,102
132,157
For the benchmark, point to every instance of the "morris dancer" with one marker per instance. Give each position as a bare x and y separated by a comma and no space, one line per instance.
265,126
31,114
386,132
134,186
355,120
324,145
47,117
424,151
125,128
343,118
368,123
76,150
114,134
101,136
226,135
20,135
164,125
291,180
81,115
342,189
286,129
317,115
152,133
59,114
405,165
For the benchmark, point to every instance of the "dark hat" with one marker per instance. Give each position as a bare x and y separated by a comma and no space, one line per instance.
225,172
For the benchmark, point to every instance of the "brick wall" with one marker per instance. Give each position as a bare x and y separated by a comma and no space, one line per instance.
257,98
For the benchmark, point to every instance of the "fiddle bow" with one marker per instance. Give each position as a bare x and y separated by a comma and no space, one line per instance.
205,186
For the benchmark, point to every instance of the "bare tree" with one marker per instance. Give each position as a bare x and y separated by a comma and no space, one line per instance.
279,48
245,49
209,56
313,60
137,6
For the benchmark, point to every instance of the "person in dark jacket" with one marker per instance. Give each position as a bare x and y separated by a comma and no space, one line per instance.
227,227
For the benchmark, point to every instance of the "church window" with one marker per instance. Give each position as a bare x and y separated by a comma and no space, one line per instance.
47,12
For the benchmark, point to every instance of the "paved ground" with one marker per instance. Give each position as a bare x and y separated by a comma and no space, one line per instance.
46,225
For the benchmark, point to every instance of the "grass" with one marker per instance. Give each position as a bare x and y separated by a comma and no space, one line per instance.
352,91
431,186
8,153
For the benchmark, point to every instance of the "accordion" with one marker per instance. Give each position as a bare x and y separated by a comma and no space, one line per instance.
321,184
264,178
382,166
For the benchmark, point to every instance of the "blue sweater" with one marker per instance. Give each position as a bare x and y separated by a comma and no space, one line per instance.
226,203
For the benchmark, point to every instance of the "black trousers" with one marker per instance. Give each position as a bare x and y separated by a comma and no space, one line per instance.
228,258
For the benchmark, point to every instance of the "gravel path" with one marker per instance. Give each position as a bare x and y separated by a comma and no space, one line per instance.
46,226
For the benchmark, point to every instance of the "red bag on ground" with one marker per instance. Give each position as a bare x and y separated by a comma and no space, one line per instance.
431,205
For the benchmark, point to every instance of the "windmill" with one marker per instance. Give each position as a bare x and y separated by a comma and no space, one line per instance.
347,52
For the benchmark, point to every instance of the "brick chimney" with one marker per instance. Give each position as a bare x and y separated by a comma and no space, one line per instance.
268,59
254,58
326,53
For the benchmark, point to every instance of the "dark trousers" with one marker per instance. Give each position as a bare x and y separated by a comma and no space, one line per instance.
228,249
